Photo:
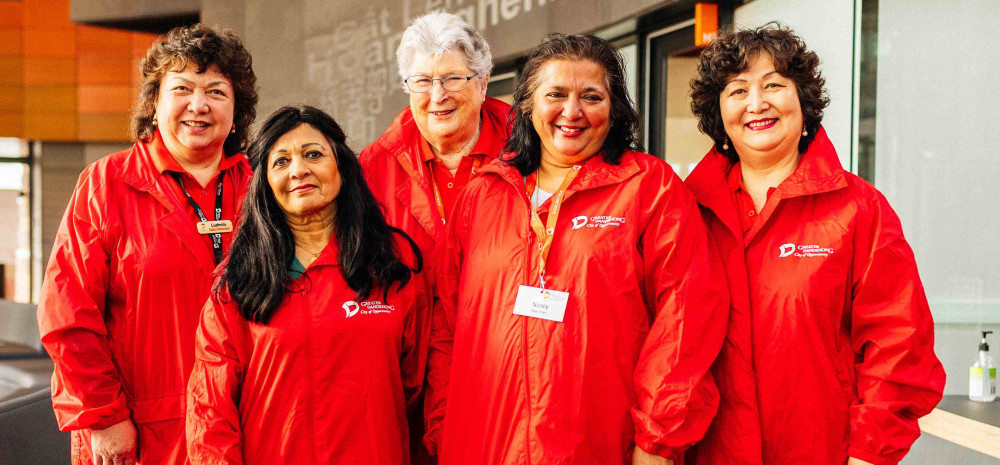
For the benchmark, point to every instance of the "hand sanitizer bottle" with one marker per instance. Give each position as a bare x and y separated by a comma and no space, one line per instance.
983,374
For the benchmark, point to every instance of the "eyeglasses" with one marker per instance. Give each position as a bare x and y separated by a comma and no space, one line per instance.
419,83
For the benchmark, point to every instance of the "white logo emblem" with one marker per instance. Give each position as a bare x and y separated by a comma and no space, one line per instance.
786,250
367,308
789,249
600,221
352,308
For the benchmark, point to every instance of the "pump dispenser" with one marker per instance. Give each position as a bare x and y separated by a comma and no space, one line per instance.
983,374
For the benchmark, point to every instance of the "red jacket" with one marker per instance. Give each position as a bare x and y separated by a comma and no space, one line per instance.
408,201
326,381
630,361
830,348
119,306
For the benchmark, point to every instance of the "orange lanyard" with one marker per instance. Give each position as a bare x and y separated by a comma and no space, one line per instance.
545,234
408,167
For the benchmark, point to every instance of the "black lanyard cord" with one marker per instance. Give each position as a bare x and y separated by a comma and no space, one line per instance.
216,237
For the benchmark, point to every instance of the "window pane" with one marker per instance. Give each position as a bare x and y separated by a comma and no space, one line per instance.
936,157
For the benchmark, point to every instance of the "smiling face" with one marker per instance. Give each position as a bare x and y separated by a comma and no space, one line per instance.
571,109
195,112
761,113
446,119
302,172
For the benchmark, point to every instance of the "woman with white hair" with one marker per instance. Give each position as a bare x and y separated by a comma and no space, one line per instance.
417,168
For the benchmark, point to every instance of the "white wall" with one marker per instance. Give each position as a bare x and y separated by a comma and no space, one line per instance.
827,27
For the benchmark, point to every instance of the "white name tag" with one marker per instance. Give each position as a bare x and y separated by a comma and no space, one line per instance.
541,303
212,227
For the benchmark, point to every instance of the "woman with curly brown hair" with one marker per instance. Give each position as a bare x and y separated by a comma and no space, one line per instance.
829,356
133,259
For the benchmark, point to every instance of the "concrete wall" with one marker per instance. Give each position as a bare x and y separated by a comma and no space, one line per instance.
106,11
340,55
57,168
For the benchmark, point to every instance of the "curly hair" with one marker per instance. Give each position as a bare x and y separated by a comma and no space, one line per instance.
524,143
732,53
202,46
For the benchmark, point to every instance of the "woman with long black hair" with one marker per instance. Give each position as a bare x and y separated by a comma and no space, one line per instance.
313,342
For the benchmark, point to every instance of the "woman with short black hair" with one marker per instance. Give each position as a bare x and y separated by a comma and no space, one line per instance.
313,343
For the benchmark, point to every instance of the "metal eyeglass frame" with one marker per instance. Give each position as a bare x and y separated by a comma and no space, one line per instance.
441,80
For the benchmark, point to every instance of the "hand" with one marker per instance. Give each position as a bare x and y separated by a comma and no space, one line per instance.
114,445
641,457
854,461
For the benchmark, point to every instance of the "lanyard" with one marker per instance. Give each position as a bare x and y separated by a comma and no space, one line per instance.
216,237
438,200
545,234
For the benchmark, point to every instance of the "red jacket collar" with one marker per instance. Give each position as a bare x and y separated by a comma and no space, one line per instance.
149,160
819,171
596,173
403,136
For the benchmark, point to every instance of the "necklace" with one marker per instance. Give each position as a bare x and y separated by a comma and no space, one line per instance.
314,254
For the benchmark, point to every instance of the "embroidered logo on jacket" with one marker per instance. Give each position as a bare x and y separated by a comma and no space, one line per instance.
597,221
351,307
792,250
367,308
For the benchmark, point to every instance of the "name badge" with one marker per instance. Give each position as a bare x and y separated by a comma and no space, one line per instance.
213,227
546,304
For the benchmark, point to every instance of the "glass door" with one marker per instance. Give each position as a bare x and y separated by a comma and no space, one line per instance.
671,130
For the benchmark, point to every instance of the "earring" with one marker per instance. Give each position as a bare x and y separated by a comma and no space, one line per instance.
233,130
804,132
155,123
725,145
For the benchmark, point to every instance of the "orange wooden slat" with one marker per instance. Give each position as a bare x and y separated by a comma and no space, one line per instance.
50,126
45,13
11,125
95,70
12,14
12,71
103,99
49,42
104,127
50,99
49,71
11,42
103,41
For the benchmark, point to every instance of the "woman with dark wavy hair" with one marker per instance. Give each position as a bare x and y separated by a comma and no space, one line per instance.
577,322
829,357
132,263
313,343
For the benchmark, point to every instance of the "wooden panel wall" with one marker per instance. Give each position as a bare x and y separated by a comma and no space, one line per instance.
61,81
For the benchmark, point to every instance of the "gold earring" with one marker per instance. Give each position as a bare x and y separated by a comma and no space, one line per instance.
155,123
233,130
804,132
725,145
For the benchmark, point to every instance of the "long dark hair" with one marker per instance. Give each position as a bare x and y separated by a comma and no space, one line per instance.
256,271
524,143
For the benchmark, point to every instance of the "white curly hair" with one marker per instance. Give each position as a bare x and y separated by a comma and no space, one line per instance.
439,32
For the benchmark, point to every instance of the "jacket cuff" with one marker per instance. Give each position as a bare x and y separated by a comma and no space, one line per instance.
663,451
111,421
869,456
